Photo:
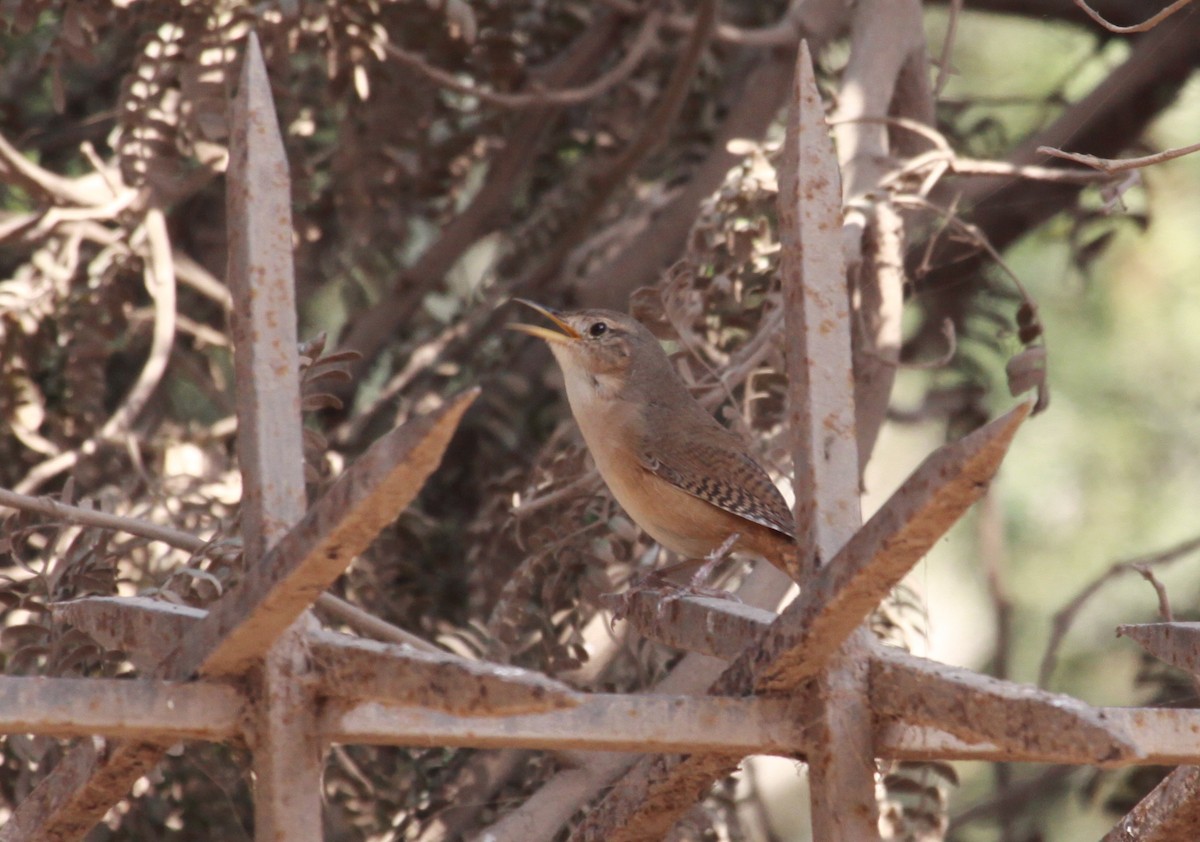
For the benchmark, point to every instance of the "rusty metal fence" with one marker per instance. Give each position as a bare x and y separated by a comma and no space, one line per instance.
810,682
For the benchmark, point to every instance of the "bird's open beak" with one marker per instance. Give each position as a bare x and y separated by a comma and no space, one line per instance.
564,332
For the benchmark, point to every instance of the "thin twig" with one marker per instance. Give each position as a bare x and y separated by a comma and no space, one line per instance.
940,361
91,517
943,62
943,154
421,358
1032,172
588,483
202,281
1164,604
160,281
368,624
645,39
1139,27
1116,165
353,616
67,191
785,32
1066,615
652,133
976,235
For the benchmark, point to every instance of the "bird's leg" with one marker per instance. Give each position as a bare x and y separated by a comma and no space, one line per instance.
660,578
697,586
711,561
619,603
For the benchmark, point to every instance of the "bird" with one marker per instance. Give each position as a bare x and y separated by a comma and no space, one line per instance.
681,476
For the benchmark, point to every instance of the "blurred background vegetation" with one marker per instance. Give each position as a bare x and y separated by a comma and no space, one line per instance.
432,179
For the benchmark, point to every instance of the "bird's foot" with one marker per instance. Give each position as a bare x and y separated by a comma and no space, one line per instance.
621,604
655,585
656,581
676,592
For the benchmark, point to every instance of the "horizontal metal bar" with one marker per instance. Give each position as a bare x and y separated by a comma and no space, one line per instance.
148,710
168,711
1162,737
602,722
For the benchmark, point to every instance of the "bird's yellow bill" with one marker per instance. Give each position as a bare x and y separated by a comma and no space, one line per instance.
564,332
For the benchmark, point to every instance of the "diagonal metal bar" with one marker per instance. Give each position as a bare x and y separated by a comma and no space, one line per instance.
377,487
145,630
1170,813
347,668
874,561
1177,644
93,775
978,708
352,671
369,495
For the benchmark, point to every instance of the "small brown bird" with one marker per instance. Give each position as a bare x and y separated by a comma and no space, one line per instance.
680,475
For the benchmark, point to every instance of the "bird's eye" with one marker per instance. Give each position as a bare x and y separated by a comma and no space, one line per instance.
597,330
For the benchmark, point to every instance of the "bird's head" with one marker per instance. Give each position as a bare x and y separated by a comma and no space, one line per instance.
603,349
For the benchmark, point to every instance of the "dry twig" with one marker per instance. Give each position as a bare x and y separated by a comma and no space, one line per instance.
1111,166
536,97
160,281
350,614
1140,27
1065,616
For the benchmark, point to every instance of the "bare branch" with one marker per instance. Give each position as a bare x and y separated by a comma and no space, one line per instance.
1116,165
1065,616
643,43
1140,27
160,281
353,616
651,134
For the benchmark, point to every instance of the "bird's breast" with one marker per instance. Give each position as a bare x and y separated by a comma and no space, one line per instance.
674,518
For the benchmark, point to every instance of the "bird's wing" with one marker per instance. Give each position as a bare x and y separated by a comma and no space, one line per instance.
742,487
